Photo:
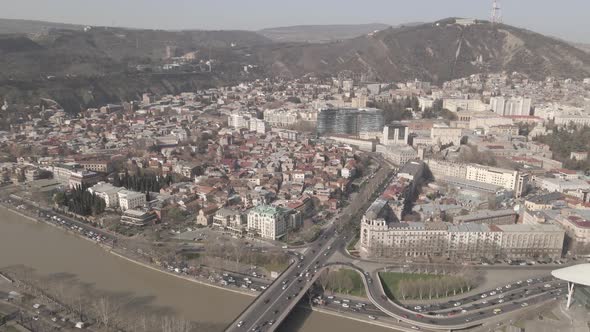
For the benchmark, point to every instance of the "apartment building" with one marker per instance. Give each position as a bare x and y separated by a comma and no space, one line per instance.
512,106
508,179
382,237
267,222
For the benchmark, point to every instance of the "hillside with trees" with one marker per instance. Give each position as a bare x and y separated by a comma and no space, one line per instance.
564,141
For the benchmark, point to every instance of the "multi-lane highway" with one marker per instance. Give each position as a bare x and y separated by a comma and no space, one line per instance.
274,304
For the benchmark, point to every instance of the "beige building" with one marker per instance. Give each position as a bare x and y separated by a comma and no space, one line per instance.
382,237
446,135
524,241
443,168
398,155
471,105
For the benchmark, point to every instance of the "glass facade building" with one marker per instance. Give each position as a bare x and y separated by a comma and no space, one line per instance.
349,121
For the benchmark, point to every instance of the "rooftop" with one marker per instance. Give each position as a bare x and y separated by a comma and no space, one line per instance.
578,274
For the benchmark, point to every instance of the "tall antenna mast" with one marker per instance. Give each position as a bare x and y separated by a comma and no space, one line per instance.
496,12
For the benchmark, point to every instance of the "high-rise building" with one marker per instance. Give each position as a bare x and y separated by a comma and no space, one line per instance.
349,121
513,106
268,222
395,134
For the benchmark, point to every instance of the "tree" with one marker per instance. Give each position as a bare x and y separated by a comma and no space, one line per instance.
324,279
59,198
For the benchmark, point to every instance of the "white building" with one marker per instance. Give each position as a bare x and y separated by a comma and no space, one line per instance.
505,178
470,105
446,135
267,221
398,155
107,192
395,134
512,106
238,121
130,199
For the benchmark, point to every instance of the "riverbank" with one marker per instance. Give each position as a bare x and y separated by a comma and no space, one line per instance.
126,257
52,252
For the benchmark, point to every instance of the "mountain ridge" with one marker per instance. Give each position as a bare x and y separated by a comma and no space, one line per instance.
106,59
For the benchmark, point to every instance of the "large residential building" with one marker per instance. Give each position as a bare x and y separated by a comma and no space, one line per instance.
267,222
513,106
130,199
382,238
522,241
443,168
511,180
108,192
508,179
349,121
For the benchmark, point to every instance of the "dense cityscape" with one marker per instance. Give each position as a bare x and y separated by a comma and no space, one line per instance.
404,205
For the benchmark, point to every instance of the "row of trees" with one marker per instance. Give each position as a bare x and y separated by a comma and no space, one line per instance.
142,183
435,287
340,281
81,202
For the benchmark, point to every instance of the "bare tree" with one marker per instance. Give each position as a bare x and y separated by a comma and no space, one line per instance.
324,279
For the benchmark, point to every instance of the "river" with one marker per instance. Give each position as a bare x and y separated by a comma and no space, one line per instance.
49,250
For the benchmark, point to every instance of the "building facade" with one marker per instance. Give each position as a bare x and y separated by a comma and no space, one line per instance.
267,222
130,199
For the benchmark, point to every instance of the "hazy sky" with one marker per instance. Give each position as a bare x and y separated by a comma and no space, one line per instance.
567,19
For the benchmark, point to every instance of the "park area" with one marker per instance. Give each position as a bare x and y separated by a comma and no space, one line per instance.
411,286
342,281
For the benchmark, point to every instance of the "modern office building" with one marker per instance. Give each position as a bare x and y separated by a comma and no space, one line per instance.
349,121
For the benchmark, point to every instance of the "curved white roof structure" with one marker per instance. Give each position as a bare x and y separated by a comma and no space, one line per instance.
578,274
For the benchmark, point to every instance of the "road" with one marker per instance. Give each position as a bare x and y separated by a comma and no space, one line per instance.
37,211
275,303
